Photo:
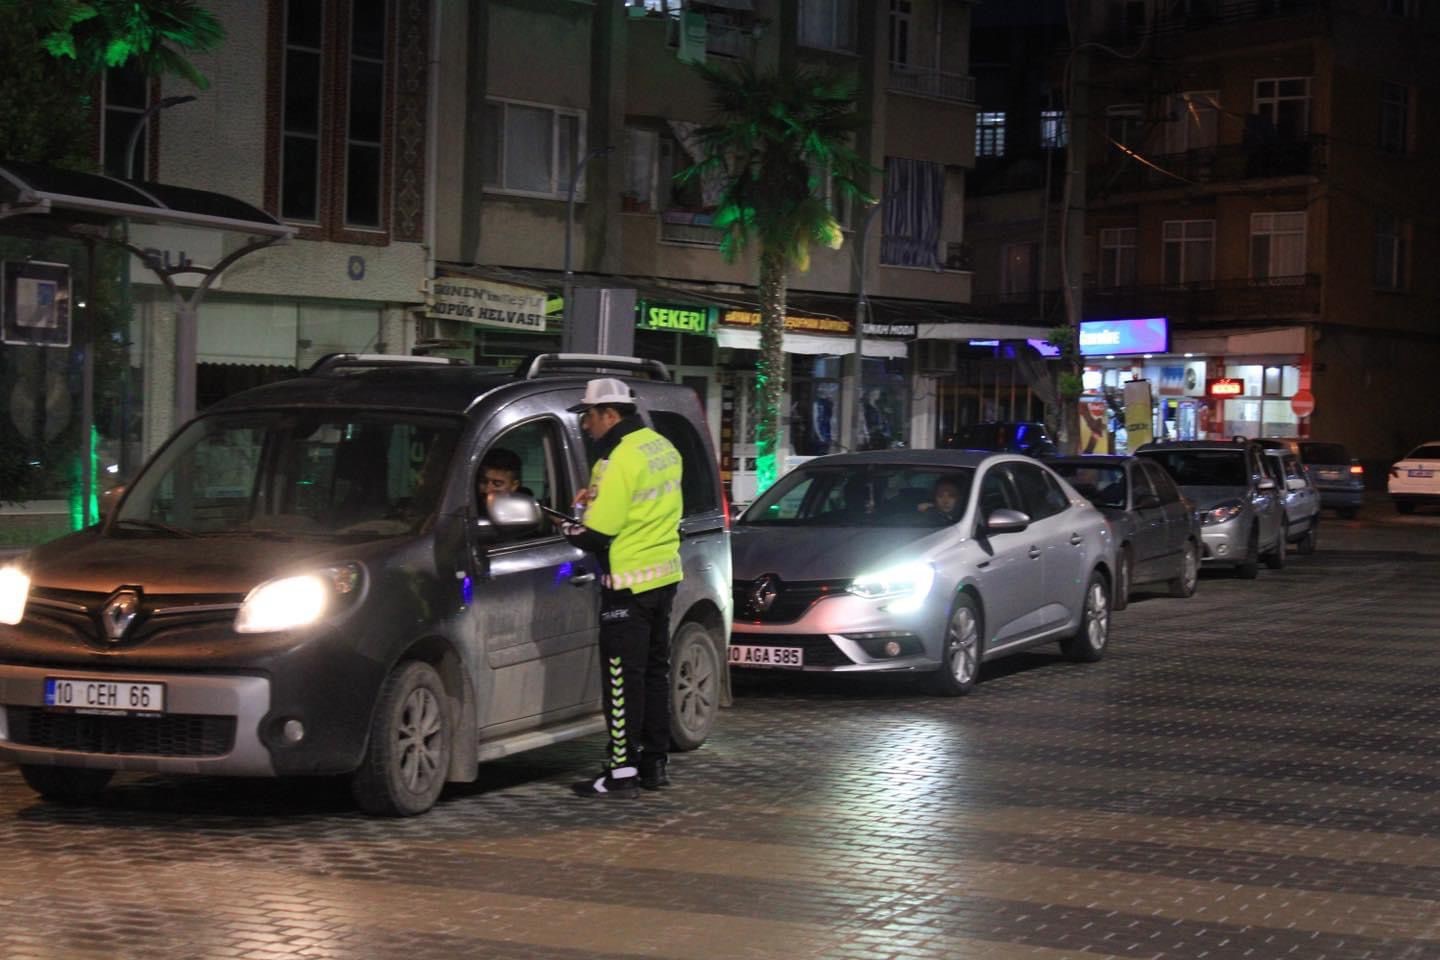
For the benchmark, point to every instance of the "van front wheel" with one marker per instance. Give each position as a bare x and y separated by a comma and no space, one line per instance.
694,685
408,757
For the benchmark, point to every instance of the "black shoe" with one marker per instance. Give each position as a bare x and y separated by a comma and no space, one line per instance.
608,786
653,773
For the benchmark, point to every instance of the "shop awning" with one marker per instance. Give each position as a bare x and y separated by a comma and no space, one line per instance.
809,343
31,188
979,331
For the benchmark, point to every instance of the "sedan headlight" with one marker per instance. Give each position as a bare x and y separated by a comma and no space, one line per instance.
298,601
908,584
14,590
1221,512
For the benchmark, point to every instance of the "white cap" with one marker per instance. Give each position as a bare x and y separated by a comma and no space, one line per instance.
605,390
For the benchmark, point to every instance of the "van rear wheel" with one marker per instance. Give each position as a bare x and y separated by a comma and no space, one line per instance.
408,757
65,783
694,685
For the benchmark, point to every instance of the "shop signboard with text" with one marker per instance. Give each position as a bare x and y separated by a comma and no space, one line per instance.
675,317
793,322
487,303
1124,337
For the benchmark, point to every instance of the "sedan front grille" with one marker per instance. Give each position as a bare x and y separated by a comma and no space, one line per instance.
173,735
791,602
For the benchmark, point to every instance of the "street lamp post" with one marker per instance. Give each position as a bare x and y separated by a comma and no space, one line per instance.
575,175
144,122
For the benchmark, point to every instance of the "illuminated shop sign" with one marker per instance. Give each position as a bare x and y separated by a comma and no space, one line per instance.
1044,347
1123,337
749,318
674,317
1225,387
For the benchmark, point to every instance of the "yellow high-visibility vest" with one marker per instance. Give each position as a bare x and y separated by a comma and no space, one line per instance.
635,498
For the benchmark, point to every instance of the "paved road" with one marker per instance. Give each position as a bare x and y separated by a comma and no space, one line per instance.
1249,774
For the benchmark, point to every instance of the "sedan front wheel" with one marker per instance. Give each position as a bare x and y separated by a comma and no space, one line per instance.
960,658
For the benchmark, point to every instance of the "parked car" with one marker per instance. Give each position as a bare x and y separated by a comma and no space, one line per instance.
1415,478
304,581
1027,437
1156,530
1300,504
1239,509
1338,477
925,560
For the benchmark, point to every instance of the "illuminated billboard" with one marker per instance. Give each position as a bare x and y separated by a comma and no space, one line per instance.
1124,337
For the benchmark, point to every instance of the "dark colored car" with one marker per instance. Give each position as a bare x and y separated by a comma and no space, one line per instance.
1337,476
1156,530
306,580
1008,436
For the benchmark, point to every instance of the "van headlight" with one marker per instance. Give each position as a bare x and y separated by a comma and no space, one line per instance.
1221,512
292,602
14,591
907,584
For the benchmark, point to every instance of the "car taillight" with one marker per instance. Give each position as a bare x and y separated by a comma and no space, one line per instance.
1356,469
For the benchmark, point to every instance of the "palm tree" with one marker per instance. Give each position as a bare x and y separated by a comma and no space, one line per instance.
154,34
775,139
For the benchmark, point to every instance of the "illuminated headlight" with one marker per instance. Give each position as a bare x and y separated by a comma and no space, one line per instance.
14,589
293,602
1221,512
907,584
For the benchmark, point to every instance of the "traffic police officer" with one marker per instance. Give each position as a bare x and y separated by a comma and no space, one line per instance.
631,521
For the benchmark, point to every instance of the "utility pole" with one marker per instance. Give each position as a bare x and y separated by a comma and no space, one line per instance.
1072,253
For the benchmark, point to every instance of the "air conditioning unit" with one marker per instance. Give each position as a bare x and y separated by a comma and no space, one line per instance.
935,356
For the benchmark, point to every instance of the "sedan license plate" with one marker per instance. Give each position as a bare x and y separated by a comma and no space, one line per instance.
105,697
1422,473
792,658
1329,474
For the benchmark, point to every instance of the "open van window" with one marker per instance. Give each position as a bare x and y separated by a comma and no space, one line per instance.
364,476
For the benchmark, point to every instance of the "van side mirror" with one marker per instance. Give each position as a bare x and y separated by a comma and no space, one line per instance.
1265,484
513,511
1295,483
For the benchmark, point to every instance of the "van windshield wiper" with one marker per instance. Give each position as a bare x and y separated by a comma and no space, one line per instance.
154,525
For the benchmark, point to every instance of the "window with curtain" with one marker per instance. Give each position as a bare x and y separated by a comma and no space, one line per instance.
827,24
913,201
1193,121
1189,252
1394,117
532,149
1277,246
1117,257
990,133
1390,252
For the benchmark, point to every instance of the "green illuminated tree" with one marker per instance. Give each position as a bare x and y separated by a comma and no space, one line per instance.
155,35
775,138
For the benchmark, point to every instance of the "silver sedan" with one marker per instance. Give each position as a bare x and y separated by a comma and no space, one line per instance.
919,560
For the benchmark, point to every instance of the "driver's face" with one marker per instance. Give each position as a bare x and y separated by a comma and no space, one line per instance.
499,481
947,498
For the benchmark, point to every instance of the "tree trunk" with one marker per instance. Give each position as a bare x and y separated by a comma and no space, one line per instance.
770,371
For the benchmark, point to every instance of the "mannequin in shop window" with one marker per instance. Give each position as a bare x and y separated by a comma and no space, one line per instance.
877,422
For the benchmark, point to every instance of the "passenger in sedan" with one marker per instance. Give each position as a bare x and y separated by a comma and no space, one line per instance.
945,502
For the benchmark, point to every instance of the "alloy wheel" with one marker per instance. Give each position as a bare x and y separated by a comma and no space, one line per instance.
420,740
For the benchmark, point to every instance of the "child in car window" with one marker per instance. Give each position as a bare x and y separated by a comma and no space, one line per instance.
945,501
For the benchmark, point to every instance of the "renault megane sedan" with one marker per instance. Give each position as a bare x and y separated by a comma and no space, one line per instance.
919,560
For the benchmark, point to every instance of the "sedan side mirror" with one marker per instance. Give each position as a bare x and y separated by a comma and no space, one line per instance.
1006,521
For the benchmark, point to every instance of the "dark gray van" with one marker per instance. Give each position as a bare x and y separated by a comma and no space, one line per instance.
304,580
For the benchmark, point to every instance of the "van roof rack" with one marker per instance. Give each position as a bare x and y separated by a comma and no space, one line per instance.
553,364
335,361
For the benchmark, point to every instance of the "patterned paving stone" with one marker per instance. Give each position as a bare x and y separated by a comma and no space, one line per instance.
1248,774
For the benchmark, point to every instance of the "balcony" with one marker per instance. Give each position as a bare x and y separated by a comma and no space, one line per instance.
688,228
723,37
931,83
1277,297
1229,163
1189,16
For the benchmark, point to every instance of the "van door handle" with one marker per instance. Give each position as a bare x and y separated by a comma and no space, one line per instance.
1034,553
580,579
1076,539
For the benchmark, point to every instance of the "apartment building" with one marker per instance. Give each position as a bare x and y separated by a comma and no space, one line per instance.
1254,176
533,91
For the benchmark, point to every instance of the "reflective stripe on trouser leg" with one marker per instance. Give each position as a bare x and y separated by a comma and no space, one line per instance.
615,716
623,639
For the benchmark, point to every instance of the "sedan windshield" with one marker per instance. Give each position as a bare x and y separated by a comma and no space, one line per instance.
284,475
871,495
1102,485
1203,468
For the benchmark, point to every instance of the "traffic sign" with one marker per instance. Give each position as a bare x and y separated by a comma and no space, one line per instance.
1303,403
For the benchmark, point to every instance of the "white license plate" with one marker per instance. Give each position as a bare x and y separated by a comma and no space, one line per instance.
1329,474
109,697
1422,473
788,657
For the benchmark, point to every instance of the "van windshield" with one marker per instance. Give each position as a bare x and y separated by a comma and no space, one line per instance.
284,474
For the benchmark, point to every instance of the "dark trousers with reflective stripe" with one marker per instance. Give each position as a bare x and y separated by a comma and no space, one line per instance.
635,673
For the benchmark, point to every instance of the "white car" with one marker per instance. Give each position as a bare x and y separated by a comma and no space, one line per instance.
1415,479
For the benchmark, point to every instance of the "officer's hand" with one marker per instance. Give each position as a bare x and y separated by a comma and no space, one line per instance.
572,529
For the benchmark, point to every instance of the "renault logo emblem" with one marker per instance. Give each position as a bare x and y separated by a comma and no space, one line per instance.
763,593
118,613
